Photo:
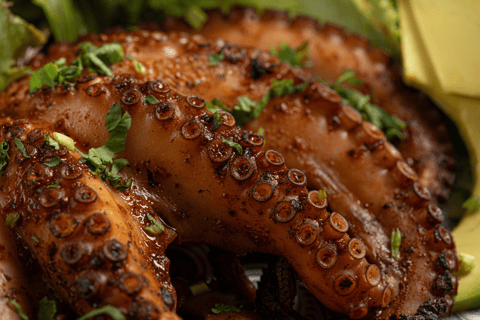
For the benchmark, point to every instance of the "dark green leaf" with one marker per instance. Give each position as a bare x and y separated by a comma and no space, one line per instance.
12,219
150,99
215,58
21,147
48,308
472,204
294,57
109,310
221,308
234,144
395,243
215,105
18,309
4,157
54,162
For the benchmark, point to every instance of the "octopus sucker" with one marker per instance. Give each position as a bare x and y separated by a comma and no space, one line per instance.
332,50
234,189
88,240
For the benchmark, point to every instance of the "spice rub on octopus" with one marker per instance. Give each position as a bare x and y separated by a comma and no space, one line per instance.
153,165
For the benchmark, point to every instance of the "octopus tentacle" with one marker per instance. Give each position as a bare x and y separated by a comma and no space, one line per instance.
87,239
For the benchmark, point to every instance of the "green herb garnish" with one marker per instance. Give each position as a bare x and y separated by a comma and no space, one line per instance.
216,105
4,157
396,242
215,58
221,308
156,227
234,144
12,219
101,161
390,124
63,140
54,144
294,57
472,204
150,99
36,239
53,186
21,147
195,16
47,309
54,162
18,309
57,72
467,263
139,67
110,310
322,194
217,121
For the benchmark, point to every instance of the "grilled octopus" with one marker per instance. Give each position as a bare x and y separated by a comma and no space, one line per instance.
255,189
427,146
88,240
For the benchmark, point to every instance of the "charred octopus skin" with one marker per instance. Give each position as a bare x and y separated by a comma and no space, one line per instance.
248,200
88,239
332,50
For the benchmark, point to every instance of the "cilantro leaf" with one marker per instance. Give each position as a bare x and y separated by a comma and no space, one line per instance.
139,67
395,243
48,308
215,58
54,162
110,310
294,57
52,143
18,309
221,308
63,140
472,204
321,194
53,74
156,226
21,147
4,157
12,219
215,105
150,99
234,144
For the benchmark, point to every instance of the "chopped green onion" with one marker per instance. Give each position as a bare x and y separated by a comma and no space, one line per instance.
64,140
150,99
139,67
234,144
4,157
472,204
221,308
217,121
110,310
54,162
21,147
53,186
156,227
396,242
18,309
215,58
36,239
47,309
12,219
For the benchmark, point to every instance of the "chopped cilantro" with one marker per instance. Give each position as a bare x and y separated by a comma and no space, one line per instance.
472,204
54,162
217,121
234,144
390,124
150,99
54,186
215,58
215,105
57,72
36,239
18,309
110,310
12,219
195,16
139,67
63,140
4,157
220,308
396,242
54,144
321,195
100,160
261,132
294,57
21,147
156,226
47,309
